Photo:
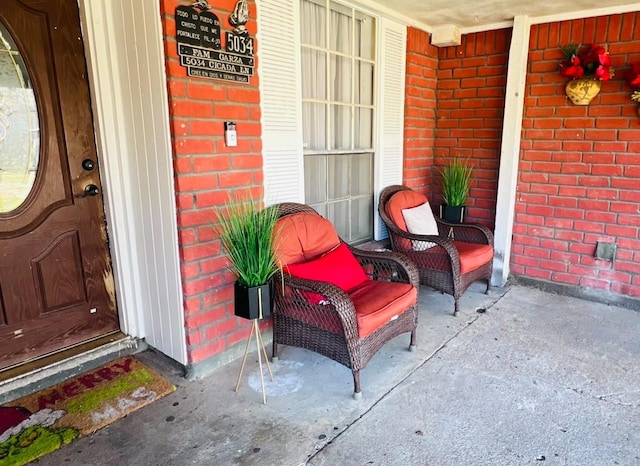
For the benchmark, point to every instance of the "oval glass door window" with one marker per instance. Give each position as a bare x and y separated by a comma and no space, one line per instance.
19,127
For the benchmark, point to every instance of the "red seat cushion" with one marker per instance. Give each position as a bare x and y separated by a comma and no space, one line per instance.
405,199
378,302
302,237
339,266
473,255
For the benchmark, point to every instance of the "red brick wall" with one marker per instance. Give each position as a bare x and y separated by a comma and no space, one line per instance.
420,111
579,173
470,105
207,172
579,168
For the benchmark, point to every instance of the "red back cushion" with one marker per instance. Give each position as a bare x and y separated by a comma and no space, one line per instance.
405,199
302,237
338,266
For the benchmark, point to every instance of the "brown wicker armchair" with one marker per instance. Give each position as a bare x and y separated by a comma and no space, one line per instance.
346,326
463,253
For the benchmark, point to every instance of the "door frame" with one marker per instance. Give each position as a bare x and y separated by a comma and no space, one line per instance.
124,48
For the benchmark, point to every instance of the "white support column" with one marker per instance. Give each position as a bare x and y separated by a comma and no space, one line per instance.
510,151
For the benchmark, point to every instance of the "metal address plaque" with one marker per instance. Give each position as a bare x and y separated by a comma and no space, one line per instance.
199,44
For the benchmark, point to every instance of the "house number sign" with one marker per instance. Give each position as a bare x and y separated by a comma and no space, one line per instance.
199,44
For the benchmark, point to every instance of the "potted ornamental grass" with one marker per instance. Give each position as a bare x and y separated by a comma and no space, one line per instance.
454,185
246,233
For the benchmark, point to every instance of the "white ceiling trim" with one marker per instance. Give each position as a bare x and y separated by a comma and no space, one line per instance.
614,10
410,21
487,27
393,14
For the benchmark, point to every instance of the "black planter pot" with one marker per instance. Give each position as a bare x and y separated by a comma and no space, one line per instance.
252,302
452,214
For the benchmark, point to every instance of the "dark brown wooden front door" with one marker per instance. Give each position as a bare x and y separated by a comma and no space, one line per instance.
56,283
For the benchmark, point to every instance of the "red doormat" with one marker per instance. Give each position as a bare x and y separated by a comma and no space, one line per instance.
44,421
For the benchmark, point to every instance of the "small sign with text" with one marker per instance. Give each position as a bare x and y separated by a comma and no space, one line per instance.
199,44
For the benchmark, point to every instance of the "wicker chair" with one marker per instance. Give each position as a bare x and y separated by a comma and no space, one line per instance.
440,266
331,323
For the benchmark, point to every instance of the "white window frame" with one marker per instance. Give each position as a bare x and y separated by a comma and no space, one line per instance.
353,105
281,102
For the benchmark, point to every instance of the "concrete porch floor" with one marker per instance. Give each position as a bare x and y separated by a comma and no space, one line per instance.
537,379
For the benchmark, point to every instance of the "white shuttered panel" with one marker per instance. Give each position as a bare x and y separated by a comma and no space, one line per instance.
391,76
279,55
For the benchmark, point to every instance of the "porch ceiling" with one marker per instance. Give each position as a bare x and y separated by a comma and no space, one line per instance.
477,15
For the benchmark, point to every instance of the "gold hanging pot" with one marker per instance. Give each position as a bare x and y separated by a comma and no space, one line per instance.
582,91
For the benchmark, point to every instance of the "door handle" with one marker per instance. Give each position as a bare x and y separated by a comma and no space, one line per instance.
89,190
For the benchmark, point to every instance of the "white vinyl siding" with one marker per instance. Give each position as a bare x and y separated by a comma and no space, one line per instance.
129,94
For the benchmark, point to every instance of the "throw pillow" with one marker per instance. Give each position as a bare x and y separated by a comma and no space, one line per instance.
420,221
338,266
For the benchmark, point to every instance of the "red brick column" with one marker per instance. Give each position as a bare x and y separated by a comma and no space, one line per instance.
419,113
206,173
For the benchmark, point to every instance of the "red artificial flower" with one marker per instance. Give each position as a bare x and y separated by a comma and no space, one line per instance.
633,75
590,61
572,68
604,58
592,53
602,73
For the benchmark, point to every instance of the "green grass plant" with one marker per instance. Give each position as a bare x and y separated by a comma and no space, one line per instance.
456,178
246,233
